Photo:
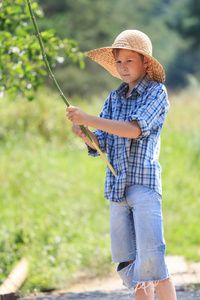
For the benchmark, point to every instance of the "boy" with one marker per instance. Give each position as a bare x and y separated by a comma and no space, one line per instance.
128,130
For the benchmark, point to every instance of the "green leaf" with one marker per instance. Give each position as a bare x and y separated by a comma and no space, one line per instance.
21,56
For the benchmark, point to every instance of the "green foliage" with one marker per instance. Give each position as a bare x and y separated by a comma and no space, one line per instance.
60,229
184,20
188,23
173,27
180,159
52,206
21,65
96,24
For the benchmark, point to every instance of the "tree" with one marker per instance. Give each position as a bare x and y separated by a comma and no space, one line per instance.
94,24
186,22
21,65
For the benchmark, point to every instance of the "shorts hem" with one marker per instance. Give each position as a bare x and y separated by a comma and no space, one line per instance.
144,284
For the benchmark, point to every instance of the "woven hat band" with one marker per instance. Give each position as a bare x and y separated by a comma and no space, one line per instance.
121,45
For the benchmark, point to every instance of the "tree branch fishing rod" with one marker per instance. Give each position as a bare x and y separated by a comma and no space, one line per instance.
59,89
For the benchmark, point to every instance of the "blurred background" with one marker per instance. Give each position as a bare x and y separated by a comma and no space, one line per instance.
173,27
51,197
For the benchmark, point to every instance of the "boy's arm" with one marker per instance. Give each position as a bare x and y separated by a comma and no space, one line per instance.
120,128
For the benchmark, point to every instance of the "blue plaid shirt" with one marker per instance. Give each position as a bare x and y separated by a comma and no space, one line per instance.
134,160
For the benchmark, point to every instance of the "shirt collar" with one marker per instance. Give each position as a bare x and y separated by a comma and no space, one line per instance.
143,84
139,88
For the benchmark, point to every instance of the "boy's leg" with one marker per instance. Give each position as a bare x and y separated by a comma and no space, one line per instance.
146,207
141,255
123,246
149,265
122,233
165,290
145,294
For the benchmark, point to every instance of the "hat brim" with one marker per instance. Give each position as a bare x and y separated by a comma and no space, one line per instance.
104,57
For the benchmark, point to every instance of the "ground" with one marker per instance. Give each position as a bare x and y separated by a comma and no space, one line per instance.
186,279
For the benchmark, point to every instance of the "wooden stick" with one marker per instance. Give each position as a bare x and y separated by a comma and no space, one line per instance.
59,89
16,278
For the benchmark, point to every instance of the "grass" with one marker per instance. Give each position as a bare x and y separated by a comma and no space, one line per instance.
180,159
52,205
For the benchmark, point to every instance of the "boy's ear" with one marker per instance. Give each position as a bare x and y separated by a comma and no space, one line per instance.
146,62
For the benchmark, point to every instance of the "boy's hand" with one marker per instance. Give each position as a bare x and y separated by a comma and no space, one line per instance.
77,130
76,115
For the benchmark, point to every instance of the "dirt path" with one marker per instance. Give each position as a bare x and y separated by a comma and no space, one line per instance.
186,279
110,295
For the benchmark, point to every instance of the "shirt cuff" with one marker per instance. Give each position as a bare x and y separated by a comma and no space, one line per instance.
143,126
91,151
101,139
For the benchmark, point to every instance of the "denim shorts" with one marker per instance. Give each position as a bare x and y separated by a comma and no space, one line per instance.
136,229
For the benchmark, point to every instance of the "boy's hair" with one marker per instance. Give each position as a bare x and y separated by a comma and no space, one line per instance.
116,51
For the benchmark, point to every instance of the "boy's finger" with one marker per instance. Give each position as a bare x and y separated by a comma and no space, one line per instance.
70,108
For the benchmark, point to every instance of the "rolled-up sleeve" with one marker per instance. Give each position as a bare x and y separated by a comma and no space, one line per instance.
142,124
102,143
152,114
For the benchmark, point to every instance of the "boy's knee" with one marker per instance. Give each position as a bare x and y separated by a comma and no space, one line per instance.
125,271
124,264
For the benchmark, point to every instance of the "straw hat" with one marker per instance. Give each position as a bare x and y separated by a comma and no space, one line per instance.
132,40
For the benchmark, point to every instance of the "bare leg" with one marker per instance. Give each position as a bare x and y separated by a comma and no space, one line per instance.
165,290
145,294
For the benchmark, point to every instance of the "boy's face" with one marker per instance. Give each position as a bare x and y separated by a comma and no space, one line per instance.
130,66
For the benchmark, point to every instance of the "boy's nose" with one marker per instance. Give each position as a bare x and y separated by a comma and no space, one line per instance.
124,67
